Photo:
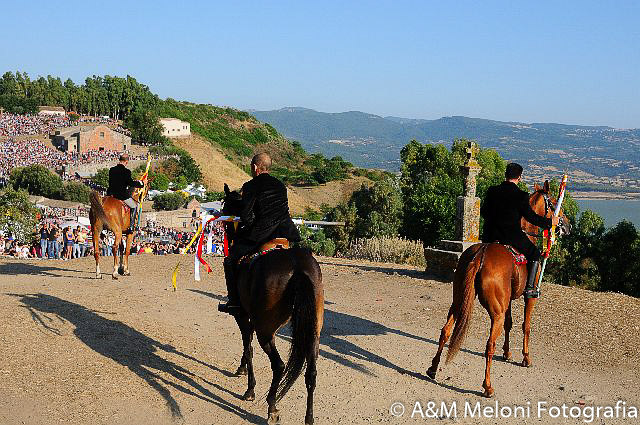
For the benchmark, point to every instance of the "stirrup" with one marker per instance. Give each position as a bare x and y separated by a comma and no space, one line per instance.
531,293
229,308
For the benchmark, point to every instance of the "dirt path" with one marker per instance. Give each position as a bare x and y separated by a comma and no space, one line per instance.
83,351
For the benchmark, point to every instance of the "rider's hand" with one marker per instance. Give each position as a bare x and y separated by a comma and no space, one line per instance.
555,220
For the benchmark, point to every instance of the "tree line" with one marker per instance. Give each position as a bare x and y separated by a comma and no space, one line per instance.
116,97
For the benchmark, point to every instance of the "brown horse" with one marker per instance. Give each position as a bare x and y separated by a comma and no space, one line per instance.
109,213
277,286
489,271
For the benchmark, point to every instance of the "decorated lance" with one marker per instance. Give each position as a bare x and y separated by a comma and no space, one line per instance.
143,193
200,236
552,233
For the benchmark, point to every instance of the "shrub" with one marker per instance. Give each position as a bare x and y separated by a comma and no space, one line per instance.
387,250
317,242
168,201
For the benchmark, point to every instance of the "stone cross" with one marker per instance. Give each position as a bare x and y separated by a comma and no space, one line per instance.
468,205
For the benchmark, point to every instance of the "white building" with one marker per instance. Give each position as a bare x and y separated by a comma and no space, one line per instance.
51,110
173,127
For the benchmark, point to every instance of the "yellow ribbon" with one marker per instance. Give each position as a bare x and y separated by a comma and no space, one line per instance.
174,276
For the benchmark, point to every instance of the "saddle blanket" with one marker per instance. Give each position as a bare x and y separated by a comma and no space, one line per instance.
518,258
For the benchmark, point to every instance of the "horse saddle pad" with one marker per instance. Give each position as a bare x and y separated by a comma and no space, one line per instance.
273,244
518,258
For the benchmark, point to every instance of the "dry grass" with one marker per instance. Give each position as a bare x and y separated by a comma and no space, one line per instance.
217,170
387,250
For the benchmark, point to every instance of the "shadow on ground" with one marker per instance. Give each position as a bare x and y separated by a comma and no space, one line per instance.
132,349
339,325
43,268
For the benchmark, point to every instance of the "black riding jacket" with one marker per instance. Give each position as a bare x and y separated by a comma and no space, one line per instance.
265,212
120,182
503,209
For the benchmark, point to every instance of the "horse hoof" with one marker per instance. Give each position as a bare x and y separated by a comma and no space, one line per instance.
127,273
431,373
488,392
274,418
114,276
308,420
242,371
507,356
121,271
250,395
526,362
98,276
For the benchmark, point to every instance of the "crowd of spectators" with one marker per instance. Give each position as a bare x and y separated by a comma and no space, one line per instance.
21,153
55,240
24,125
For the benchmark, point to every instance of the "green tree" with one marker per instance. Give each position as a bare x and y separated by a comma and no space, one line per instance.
101,177
145,127
168,201
180,183
619,259
37,180
75,191
17,215
160,181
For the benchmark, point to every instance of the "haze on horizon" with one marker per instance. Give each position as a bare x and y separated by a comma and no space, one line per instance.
573,62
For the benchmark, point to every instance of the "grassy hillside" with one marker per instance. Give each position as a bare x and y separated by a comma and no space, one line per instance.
237,134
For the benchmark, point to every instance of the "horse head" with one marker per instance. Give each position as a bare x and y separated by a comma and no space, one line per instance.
544,204
231,205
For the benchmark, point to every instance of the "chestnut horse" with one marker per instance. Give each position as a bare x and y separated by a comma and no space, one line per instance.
109,213
489,271
274,287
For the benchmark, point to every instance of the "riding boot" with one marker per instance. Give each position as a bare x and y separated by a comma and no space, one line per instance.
233,305
531,290
132,221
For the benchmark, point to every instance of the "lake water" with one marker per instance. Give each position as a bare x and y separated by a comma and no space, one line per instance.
613,211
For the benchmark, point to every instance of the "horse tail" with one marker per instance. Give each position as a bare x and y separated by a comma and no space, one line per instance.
304,328
96,205
466,306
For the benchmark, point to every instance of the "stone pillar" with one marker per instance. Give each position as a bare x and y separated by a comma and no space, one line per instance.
442,260
468,205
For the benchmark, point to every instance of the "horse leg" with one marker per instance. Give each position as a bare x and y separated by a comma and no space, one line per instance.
247,355
508,324
115,249
310,380
277,367
497,322
127,251
96,229
444,337
526,329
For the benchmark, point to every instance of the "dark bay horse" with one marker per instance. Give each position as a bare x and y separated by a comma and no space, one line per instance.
489,271
281,285
109,213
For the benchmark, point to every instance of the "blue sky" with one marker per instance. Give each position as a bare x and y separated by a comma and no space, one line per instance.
574,62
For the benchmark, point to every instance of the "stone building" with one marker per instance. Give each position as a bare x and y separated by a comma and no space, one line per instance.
51,110
81,139
173,127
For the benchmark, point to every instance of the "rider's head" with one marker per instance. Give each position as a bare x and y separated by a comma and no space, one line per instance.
124,158
261,163
513,172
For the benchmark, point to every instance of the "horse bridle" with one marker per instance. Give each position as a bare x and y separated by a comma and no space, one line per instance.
548,206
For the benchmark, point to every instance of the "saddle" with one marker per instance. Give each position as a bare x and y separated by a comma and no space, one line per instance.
273,244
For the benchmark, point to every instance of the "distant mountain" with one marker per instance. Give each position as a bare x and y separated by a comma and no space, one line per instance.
601,155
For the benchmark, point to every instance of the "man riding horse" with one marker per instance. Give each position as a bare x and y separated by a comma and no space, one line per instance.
265,216
503,209
120,186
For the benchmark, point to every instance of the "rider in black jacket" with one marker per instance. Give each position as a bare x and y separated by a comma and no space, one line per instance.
121,184
503,209
265,216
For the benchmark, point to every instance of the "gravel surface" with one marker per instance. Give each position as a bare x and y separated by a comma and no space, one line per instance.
74,349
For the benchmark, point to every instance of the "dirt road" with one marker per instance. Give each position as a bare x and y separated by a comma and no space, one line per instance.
78,350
